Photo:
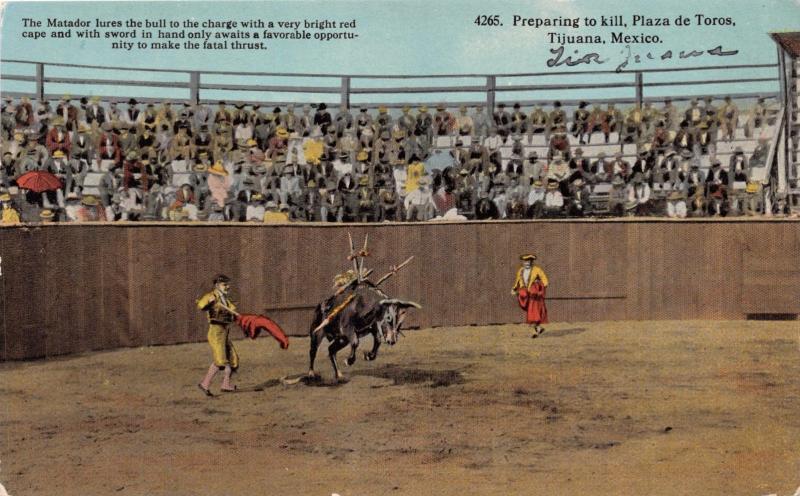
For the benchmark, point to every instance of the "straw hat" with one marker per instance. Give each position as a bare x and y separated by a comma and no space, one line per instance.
200,167
89,200
46,214
218,169
282,132
528,256
5,197
58,154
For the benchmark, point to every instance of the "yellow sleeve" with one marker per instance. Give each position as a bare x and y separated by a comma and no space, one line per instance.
517,281
537,271
205,301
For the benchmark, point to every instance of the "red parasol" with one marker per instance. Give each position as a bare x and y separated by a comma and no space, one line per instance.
39,181
252,325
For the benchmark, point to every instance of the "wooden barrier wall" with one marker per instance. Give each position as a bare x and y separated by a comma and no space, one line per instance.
74,288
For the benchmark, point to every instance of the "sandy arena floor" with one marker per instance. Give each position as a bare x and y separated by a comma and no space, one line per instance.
628,408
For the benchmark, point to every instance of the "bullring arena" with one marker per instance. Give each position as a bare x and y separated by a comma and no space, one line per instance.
670,365
627,392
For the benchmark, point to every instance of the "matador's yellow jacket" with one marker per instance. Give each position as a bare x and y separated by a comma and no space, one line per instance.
218,320
536,271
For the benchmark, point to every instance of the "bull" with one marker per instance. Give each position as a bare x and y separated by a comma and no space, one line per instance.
364,310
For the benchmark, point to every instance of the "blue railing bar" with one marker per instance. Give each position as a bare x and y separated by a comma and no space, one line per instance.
399,76
115,82
277,89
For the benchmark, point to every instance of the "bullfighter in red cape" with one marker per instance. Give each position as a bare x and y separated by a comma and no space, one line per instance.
221,313
530,288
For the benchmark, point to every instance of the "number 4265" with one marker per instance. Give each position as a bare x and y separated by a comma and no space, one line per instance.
488,20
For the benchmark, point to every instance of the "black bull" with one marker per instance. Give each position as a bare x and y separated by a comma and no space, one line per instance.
370,311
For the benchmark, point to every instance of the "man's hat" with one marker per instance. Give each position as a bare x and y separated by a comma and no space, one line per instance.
363,181
362,155
89,200
218,169
200,168
46,214
528,256
58,154
5,197
552,185
423,108
281,132
322,106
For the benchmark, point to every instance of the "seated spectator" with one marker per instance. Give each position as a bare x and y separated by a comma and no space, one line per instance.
617,197
580,123
536,199
10,215
553,200
759,156
419,202
273,215
639,201
559,144
578,201
676,204
90,210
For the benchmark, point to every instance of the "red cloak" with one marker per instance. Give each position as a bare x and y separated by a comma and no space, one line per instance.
532,301
252,325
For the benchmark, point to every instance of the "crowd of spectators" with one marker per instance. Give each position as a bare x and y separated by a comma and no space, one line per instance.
232,162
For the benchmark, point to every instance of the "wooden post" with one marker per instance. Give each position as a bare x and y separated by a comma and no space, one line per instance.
345,92
639,89
194,87
40,81
491,86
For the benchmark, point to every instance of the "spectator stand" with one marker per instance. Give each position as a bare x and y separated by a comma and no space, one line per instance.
635,89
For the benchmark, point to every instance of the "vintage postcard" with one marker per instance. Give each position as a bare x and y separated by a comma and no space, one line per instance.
399,247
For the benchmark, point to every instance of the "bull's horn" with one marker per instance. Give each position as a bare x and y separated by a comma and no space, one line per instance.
410,304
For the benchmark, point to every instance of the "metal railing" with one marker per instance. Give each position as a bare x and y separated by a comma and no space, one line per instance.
636,84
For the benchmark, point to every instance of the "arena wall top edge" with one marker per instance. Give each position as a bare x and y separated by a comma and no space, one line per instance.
389,225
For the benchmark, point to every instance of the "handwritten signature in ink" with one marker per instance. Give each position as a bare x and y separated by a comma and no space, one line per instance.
558,59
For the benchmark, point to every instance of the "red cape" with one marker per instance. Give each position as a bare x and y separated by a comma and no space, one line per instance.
252,325
533,303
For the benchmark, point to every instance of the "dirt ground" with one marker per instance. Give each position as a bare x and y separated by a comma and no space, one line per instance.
655,408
